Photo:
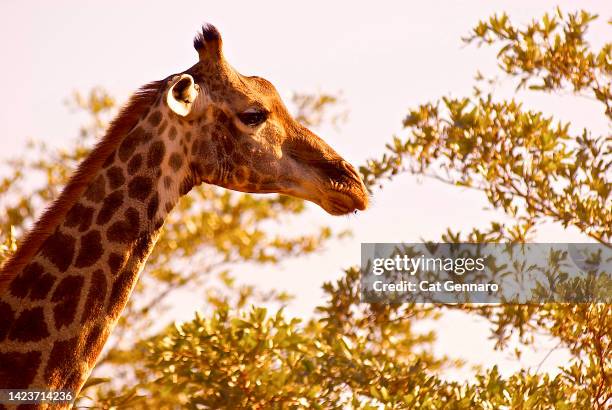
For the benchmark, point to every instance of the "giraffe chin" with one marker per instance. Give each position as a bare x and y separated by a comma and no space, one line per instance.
346,202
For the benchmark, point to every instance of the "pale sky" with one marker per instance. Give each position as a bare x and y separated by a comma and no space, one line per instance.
384,56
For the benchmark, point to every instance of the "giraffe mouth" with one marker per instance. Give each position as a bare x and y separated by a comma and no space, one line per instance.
345,198
333,185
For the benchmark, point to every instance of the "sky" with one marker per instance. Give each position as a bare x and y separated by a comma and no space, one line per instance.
384,57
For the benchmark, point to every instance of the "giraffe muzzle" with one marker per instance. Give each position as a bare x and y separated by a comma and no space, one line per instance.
348,193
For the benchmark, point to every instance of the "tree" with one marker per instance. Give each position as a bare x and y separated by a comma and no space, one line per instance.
236,355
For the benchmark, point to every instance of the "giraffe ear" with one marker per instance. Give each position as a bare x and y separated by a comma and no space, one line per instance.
208,43
183,96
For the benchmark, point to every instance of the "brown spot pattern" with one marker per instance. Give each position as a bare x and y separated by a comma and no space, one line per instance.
155,156
91,249
172,133
126,230
81,216
34,281
27,363
6,320
61,361
29,326
97,190
162,127
120,292
109,160
134,164
155,118
115,263
95,297
66,296
115,177
41,288
142,246
20,286
109,207
129,144
94,344
175,161
140,187
59,250
153,206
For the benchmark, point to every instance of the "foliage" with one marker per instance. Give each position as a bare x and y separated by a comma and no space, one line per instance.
527,164
313,110
348,354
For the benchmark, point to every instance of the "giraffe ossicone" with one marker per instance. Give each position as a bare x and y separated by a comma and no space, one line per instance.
66,285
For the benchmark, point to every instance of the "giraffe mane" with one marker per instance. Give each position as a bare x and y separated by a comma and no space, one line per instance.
128,117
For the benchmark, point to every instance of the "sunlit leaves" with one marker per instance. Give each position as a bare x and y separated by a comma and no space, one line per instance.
248,357
551,53
313,110
527,164
8,245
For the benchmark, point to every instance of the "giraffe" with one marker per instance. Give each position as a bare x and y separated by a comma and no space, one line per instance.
63,289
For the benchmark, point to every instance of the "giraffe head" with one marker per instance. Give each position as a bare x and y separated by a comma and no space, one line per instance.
241,136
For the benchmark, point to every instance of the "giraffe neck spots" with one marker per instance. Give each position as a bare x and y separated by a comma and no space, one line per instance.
155,154
140,187
97,190
27,363
59,250
116,178
90,250
66,298
29,326
134,164
80,216
59,310
34,283
96,295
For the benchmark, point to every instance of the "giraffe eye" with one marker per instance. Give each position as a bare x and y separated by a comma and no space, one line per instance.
252,118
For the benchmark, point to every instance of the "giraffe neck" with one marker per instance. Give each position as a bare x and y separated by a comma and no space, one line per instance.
58,311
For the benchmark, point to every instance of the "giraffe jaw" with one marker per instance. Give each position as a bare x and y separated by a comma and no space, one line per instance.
345,201
341,196
334,197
